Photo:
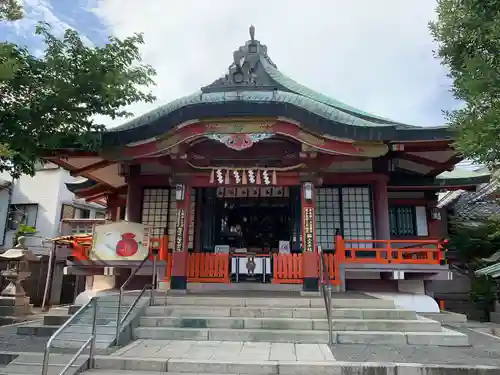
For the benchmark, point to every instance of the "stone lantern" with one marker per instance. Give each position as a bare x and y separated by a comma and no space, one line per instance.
13,300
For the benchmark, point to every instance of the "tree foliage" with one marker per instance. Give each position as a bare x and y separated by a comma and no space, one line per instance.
51,102
469,243
468,36
10,10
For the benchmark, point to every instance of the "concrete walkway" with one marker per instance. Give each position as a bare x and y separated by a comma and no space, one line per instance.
227,350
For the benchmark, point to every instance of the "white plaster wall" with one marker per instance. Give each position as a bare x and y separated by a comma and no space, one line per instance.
421,216
43,189
47,189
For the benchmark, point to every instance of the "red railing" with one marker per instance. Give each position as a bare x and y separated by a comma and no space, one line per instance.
287,269
208,268
332,265
390,251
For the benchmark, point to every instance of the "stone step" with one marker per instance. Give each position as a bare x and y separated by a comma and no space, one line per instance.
137,372
286,312
43,330
87,329
75,341
444,337
108,365
419,325
357,303
219,334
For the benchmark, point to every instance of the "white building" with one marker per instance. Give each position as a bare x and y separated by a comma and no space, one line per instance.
42,201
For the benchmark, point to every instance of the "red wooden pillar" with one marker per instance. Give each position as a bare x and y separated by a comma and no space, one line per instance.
381,209
134,195
112,207
178,278
309,250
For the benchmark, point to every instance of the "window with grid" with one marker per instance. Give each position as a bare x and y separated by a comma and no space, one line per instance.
155,210
402,221
327,216
357,214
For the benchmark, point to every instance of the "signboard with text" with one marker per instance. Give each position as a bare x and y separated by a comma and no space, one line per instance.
309,229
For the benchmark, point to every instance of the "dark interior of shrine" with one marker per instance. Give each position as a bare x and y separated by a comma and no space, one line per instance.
257,224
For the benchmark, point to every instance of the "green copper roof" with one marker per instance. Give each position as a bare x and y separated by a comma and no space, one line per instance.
304,91
460,173
253,86
309,104
492,271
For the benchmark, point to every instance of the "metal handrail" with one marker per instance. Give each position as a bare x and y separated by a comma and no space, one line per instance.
122,289
134,304
326,289
91,340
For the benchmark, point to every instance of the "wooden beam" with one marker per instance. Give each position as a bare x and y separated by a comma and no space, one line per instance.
426,146
91,168
418,160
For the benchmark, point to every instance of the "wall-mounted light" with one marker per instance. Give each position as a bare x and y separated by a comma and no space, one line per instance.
308,191
179,192
435,213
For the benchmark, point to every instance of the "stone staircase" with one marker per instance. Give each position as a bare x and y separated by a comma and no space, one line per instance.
290,320
75,335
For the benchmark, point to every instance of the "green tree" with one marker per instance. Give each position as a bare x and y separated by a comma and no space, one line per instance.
51,102
468,37
471,241
10,10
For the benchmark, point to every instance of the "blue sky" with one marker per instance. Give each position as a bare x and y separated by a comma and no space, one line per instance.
378,58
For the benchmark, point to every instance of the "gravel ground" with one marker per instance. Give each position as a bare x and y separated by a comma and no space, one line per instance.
484,350
11,341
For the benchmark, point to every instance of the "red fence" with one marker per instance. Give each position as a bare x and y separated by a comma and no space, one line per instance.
208,268
287,269
391,251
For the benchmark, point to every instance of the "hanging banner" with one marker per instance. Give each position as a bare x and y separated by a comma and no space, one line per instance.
308,229
179,231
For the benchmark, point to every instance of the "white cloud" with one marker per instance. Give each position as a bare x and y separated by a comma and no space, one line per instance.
375,55
41,10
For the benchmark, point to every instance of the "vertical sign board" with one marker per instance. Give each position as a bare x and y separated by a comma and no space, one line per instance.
308,229
179,231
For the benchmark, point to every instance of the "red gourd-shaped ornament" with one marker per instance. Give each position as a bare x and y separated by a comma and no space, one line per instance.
127,246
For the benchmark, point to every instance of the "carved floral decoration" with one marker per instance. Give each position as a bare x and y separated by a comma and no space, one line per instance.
239,141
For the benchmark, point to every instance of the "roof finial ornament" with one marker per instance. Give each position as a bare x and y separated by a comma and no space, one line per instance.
252,32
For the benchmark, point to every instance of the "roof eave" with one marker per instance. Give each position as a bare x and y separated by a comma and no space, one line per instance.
159,125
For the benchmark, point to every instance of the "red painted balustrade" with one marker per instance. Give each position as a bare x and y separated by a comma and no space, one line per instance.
288,268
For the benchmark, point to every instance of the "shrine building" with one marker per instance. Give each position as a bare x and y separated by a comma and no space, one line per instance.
247,179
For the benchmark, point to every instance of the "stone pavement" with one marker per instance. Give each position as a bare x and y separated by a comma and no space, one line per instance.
227,350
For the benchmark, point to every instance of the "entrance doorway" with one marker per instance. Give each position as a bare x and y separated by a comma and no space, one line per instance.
255,224
252,228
